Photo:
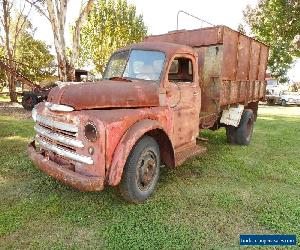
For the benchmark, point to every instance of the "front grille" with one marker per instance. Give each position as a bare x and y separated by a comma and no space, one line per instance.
60,138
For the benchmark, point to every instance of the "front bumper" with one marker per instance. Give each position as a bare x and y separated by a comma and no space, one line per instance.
65,175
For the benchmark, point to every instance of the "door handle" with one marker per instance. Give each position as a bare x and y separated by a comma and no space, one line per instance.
196,93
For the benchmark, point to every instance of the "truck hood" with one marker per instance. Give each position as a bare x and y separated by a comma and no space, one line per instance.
106,94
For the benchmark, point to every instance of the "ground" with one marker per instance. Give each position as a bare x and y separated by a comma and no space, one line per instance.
206,203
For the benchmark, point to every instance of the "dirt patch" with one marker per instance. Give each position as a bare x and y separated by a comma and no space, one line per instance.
14,109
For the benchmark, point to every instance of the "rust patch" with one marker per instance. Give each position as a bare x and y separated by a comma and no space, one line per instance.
64,174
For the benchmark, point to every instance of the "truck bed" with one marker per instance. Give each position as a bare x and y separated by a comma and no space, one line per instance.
232,66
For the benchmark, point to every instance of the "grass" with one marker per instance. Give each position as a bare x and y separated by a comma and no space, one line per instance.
6,98
206,203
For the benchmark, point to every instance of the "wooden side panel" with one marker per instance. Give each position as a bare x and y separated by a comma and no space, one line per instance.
243,58
230,43
254,60
264,52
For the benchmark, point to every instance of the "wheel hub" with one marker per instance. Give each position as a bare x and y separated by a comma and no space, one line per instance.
146,170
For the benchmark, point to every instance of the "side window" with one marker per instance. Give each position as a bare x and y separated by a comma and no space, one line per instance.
181,70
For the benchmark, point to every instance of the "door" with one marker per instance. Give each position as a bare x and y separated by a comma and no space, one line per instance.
185,100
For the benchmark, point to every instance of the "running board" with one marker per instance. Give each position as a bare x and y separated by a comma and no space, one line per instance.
187,153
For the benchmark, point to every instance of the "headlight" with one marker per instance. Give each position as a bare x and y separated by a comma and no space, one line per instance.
90,132
34,114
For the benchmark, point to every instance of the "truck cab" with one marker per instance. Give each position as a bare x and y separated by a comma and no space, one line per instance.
146,112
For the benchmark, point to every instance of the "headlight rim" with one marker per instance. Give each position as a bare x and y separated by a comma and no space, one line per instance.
96,136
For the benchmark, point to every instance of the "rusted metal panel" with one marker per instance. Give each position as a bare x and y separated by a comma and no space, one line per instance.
127,142
193,38
210,77
227,79
90,96
64,174
233,92
263,63
243,58
254,60
229,65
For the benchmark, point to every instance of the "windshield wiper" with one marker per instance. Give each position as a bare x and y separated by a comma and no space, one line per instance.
119,78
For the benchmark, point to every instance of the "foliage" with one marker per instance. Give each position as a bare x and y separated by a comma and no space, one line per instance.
204,204
35,54
19,48
241,29
276,23
295,87
56,11
111,24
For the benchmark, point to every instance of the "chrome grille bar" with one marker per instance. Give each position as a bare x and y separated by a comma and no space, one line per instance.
57,137
66,153
57,125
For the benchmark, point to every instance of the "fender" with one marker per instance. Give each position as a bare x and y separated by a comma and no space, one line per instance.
122,151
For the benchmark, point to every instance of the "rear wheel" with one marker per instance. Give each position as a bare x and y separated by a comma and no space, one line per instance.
231,134
242,134
141,172
29,100
245,129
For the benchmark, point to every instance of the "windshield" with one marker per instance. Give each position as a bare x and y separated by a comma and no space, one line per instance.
141,64
272,82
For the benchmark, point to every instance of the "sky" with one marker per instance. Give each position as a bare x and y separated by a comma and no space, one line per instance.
160,17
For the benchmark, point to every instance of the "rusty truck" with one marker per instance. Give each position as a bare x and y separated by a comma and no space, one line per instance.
147,111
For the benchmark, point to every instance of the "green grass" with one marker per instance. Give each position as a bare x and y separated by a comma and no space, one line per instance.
6,98
206,203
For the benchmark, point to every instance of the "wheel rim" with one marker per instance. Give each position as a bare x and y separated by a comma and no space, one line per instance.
146,170
29,101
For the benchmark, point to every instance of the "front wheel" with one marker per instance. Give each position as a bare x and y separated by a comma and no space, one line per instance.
271,102
283,103
29,100
141,172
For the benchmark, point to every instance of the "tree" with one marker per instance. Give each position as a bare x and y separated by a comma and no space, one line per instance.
111,24
34,58
21,50
241,29
55,11
12,30
276,23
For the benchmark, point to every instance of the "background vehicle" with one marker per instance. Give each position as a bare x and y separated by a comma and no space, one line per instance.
148,110
289,98
273,90
36,93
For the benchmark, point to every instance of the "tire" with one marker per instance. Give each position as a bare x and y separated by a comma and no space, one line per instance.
231,134
29,100
271,102
245,129
283,103
136,186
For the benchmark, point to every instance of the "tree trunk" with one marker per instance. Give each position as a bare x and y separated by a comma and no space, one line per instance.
12,89
70,73
76,34
57,18
10,76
